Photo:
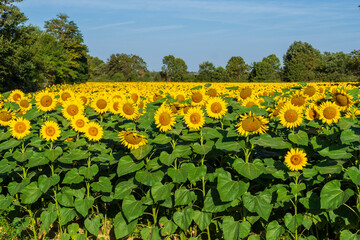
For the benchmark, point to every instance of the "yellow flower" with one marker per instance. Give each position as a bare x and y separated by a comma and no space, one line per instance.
342,99
65,95
72,108
249,123
290,116
45,101
6,116
295,159
164,118
20,128
50,131
100,104
216,107
198,97
131,139
329,112
128,110
244,93
25,104
94,131
312,112
16,95
78,123
298,99
194,118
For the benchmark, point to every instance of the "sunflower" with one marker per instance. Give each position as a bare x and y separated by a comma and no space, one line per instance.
295,159
72,108
16,95
249,123
180,96
128,110
194,118
131,139
198,97
78,123
65,95
164,118
244,93
342,99
329,112
298,99
251,101
310,91
211,92
25,104
100,104
312,112
50,131
20,128
6,116
94,131
216,107
134,95
290,116
115,105
45,101
352,112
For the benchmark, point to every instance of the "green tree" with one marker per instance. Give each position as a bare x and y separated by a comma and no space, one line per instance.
237,69
173,69
335,67
131,66
206,72
68,33
267,70
354,64
221,75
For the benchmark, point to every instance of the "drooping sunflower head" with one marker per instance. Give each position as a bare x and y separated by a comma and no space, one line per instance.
216,107
194,118
164,118
211,92
6,116
298,99
64,95
78,123
252,124
296,159
134,95
16,95
132,140
290,116
329,112
25,104
20,128
45,101
128,110
115,106
310,91
72,108
312,112
342,99
100,104
94,131
244,93
198,97
250,101
50,131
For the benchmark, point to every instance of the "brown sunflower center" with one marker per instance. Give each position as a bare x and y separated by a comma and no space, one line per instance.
101,103
72,110
65,96
5,116
141,105
116,106
297,101
83,99
211,92
133,139
186,109
20,127
16,96
180,97
313,114
195,118
93,131
156,97
164,118
196,97
296,159
24,103
251,103
291,116
341,100
251,124
216,107
134,97
46,101
80,123
128,109
245,92
310,91
50,131
329,112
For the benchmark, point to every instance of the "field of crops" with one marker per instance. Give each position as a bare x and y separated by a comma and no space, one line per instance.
181,161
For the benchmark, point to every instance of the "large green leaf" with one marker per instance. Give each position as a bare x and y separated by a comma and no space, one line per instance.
73,155
347,235
184,218
265,140
123,189
293,222
261,204
354,175
11,143
348,136
15,187
203,149
300,138
178,175
66,215
152,233
103,185
83,205
213,203
194,173
93,225
53,154
45,183
274,231
22,157
230,146
149,178
6,166
132,208
249,170
31,193
5,201
161,139
229,189
142,151
89,172
122,227
181,151
331,195
335,152
202,219
169,227
72,177
37,159
184,196
160,192
230,228
210,133
166,158
128,165
47,218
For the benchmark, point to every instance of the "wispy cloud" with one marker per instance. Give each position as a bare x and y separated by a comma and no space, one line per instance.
155,28
112,25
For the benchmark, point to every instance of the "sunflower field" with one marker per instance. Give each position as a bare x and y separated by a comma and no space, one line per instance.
181,161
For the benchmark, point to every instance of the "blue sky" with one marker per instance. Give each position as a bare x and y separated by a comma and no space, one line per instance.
204,30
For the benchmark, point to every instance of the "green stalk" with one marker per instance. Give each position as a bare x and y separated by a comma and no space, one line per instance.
154,214
33,223
57,211
295,207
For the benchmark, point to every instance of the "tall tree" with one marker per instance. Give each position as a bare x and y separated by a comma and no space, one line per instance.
206,72
237,69
130,66
267,70
173,69
67,32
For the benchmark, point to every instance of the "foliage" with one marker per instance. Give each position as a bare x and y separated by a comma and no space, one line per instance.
173,69
237,69
268,70
130,66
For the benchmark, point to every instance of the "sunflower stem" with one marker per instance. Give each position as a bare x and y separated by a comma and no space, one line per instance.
295,207
32,219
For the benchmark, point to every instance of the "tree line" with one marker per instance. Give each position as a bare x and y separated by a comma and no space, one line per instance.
31,59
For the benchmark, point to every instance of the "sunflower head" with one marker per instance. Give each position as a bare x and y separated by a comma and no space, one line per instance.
252,124
78,123
211,92
20,128
50,131
216,107
128,110
198,97
6,116
342,99
329,112
25,104
194,118
45,101
131,139
164,118
94,131
290,116
16,95
312,112
244,93
72,108
100,104
295,159
298,99
65,95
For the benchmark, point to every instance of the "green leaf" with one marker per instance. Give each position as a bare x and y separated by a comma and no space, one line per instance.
161,139
335,153
190,137
152,233
89,172
142,151
169,227
132,209
194,173
83,205
6,166
274,231
166,158
184,196
31,193
149,178
203,149
11,143
184,218
307,221
213,203
5,202
348,136
181,151
265,140
178,175
331,195
22,157
15,187
161,192
4,135
248,170
346,123
74,155
93,225
123,228
66,215
244,229
123,189
37,159
47,218
72,177
103,185
128,165
45,183
261,204
202,219
230,228
65,199
347,235
301,138
296,188
354,175
230,146
210,133
53,154
292,222
228,189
